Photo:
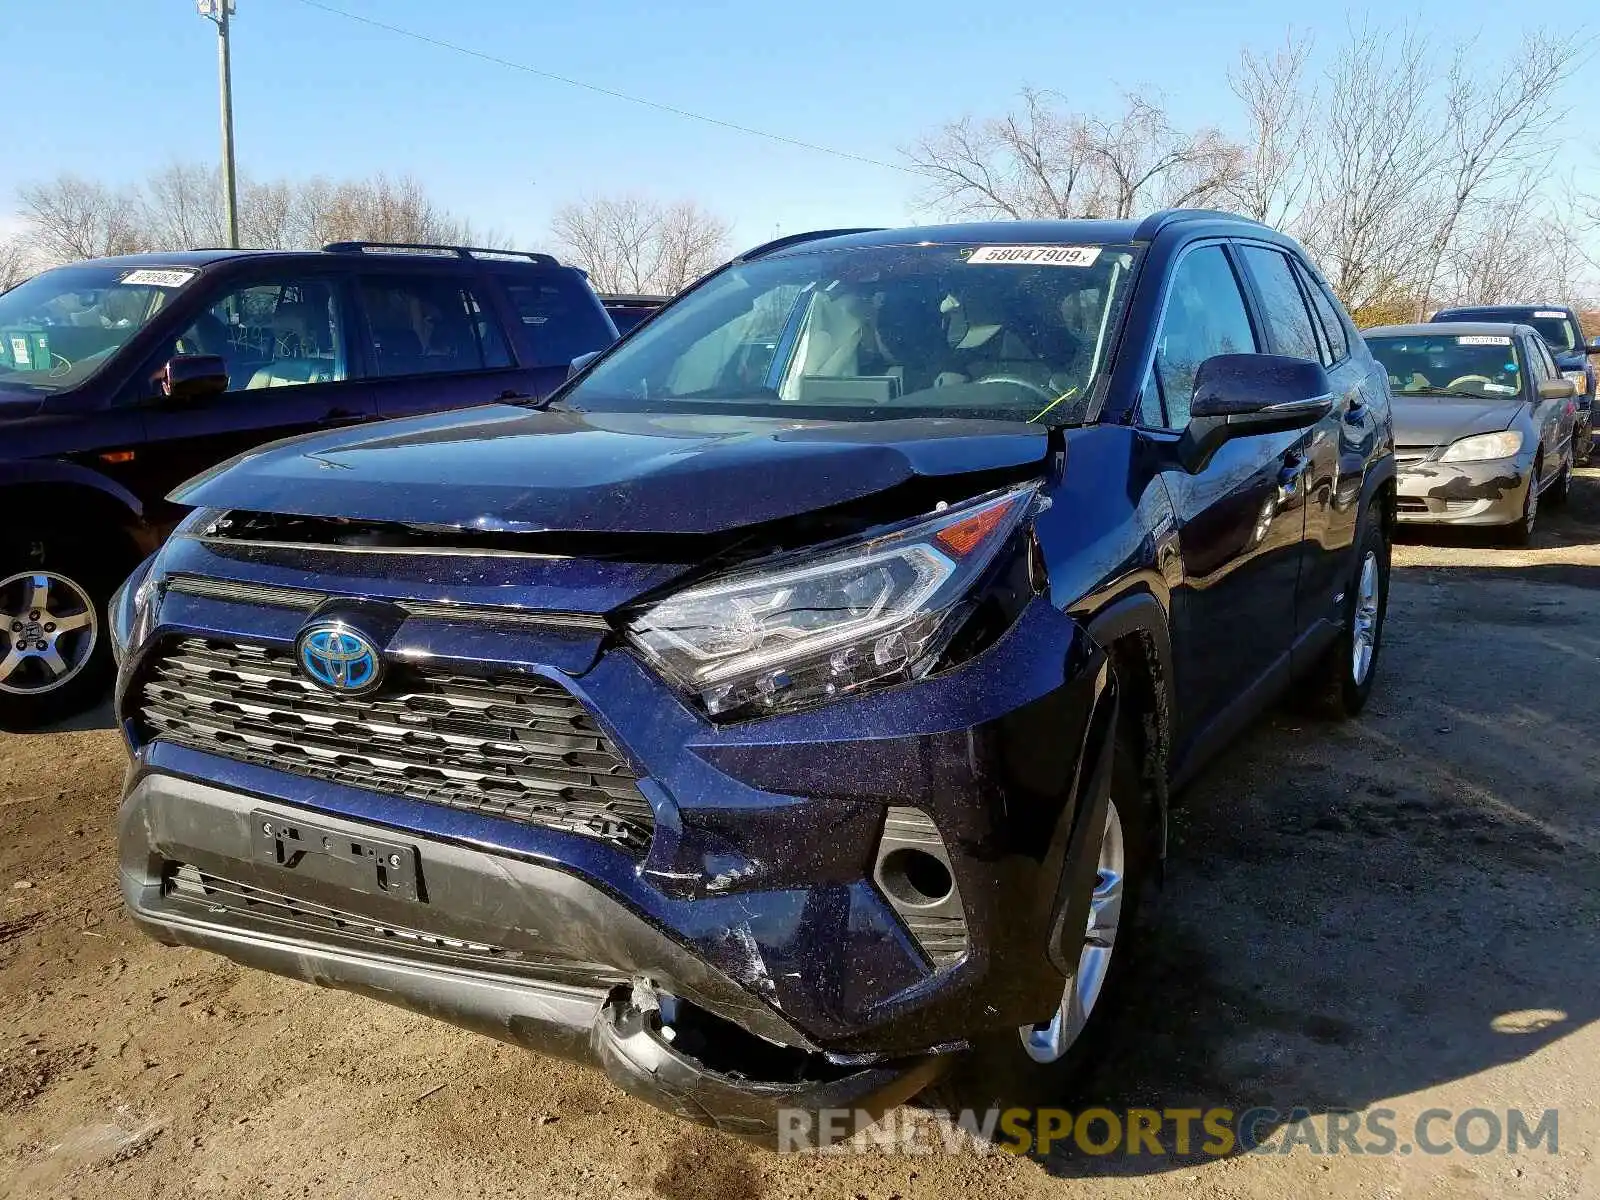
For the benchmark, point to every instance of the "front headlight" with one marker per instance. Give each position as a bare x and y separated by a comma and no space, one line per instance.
1483,446
810,627
1580,380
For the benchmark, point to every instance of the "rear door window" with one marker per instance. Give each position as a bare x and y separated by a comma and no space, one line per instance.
560,318
1338,341
430,324
1288,322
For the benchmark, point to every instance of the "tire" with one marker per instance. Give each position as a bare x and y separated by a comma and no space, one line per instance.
75,670
999,1070
1342,680
1520,532
1557,493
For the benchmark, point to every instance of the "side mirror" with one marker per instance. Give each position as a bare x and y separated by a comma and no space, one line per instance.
1593,347
190,377
583,360
1241,395
1557,389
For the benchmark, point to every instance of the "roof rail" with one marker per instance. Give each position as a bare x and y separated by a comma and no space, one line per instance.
795,239
1157,221
484,252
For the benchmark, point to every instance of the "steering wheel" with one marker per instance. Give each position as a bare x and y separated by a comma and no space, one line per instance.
1481,379
1043,393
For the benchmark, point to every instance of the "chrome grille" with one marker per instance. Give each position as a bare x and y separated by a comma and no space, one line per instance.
523,749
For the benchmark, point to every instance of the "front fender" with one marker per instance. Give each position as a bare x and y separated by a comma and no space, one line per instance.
32,472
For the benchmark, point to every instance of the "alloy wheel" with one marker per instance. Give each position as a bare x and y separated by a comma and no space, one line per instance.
50,627
1048,1041
1364,634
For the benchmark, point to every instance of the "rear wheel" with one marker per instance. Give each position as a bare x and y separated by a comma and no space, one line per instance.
1342,681
55,651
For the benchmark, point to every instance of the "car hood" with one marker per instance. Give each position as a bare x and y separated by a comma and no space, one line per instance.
1435,420
509,469
17,402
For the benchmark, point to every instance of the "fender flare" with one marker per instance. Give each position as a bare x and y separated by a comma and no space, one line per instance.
1381,472
71,474
1141,614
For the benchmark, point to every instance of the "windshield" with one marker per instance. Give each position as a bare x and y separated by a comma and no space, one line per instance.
1555,327
1014,332
1477,365
59,328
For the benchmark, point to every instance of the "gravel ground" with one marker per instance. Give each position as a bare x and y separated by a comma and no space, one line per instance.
1403,912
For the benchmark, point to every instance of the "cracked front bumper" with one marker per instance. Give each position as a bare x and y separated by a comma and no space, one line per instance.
1470,493
515,950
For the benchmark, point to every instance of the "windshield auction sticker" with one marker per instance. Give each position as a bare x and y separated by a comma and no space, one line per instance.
1549,314
1482,339
157,278
1036,256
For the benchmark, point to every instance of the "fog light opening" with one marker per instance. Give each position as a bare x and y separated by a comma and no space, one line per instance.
915,878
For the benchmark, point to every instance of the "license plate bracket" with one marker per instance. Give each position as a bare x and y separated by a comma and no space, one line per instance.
367,864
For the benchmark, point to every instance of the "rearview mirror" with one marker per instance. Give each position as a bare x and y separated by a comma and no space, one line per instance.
1241,395
189,377
1557,389
582,361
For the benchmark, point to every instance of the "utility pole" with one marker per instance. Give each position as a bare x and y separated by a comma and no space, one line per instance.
219,12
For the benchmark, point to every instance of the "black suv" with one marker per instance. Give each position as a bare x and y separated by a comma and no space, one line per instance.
122,377
790,705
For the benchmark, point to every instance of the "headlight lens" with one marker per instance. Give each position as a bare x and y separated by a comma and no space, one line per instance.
809,628
1580,380
1483,446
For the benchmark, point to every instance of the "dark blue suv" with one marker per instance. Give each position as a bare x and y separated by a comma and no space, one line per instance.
122,377
783,715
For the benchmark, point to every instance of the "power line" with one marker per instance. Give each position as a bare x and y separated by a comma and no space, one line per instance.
604,91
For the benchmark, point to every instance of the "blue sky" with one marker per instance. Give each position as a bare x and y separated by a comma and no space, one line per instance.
111,88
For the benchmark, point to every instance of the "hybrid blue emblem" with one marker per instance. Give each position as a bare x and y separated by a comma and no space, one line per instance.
339,658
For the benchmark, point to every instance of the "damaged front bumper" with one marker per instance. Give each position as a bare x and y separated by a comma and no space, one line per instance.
499,947
1468,493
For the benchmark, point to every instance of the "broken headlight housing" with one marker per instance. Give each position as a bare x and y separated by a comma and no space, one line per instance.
810,627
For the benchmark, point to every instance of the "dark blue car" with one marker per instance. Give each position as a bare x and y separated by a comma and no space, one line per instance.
122,377
1562,332
784,715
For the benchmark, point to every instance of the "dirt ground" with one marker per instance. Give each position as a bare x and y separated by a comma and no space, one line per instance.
1403,912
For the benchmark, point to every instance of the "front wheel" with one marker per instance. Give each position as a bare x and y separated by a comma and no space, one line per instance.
55,650
1034,1065
1342,681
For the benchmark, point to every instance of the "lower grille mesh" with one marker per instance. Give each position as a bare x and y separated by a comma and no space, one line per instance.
524,749
187,886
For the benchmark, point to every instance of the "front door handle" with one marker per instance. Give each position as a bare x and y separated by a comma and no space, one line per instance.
343,416
1291,477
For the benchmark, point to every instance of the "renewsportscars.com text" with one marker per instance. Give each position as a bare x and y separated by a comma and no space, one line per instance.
1214,1132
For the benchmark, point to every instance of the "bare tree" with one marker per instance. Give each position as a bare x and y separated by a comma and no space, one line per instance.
1278,100
70,218
15,264
1041,161
1375,159
1496,127
633,244
181,208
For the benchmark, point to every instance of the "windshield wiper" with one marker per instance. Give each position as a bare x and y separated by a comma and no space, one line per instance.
1439,391
729,393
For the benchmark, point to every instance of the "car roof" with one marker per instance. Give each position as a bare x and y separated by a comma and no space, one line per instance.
1450,313
1075,231
212,256
1426,328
